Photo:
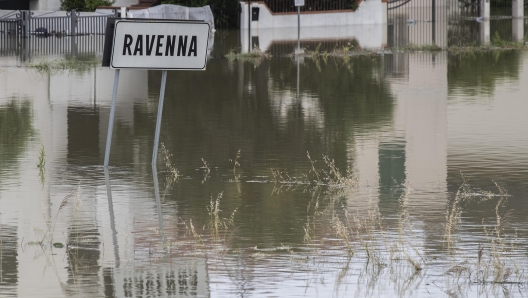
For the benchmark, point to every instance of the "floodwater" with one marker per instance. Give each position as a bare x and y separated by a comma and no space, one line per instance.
430,200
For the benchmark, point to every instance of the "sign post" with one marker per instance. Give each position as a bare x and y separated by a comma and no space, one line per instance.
298,3
153,44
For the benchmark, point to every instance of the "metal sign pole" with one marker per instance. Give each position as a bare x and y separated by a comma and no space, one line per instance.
298,80
112,217
249,26
111,120
158,120
298,3
158,202
298,27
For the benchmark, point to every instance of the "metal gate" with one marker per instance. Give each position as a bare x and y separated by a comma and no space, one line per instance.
24,24
24,34
445,22
451,10
10,24
72,23
433,10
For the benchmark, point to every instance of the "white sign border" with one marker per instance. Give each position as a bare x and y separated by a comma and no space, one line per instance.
156,21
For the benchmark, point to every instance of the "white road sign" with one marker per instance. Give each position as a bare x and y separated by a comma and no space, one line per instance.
299,2
159,44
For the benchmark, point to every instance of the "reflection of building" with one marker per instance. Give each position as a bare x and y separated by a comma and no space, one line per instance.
418,153
368,36
412,151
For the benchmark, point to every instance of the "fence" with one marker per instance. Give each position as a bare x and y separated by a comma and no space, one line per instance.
24,24
72,46
71,24
278,6
447,10
432,10
445,22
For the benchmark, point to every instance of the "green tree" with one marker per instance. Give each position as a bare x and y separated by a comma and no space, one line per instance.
84,5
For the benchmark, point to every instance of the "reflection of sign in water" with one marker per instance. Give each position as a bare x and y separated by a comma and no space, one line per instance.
299,2
160,44
179,281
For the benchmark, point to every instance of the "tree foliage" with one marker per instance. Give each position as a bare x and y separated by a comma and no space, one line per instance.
84,5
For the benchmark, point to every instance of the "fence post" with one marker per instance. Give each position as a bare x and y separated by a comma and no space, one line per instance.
484,9
433,12
517,8
517,20
485,36
73,25
25,23
433,17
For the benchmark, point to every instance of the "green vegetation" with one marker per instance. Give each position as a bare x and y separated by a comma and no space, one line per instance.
41,158
84,5
501,3
68,63
353,4
41,165
496,44
256,56
382,248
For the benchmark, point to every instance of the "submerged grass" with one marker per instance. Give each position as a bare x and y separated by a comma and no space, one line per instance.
256,56
351,49
67,63
383,249
377,249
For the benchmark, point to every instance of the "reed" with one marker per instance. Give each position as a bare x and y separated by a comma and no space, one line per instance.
41,165
174,173
256,56
41,157
68,63
207,171
330,175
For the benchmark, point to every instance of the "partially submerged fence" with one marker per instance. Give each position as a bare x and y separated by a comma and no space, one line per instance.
432,10
25,24
446,22
73,46
447,10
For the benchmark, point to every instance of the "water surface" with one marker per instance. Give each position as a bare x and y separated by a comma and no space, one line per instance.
406,130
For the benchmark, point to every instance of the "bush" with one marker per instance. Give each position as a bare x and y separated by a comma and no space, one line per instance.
84,5
501,3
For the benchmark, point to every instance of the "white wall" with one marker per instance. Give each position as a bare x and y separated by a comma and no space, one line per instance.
369,12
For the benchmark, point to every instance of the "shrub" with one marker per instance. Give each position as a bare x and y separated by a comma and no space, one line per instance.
84,5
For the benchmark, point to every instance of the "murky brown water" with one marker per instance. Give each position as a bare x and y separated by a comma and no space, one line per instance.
407,126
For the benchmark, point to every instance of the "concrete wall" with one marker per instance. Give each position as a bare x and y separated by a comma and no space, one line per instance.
369,12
